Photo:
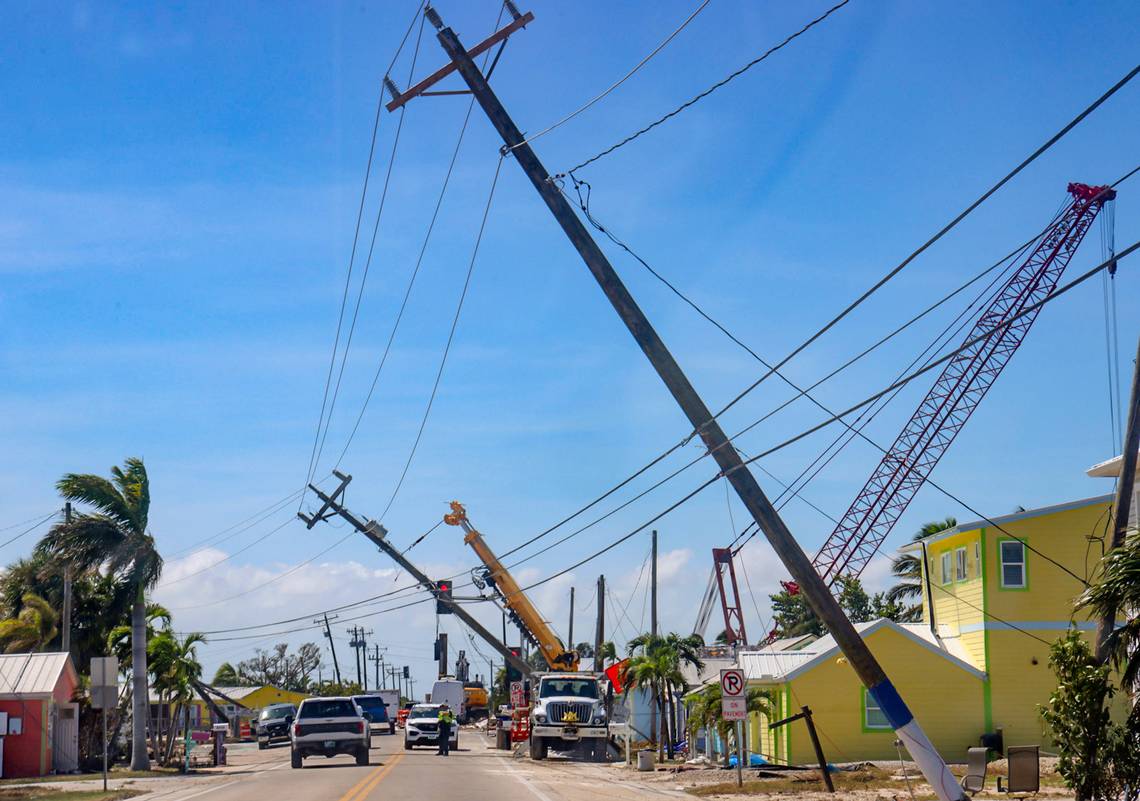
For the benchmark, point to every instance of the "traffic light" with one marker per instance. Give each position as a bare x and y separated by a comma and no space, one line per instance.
513,673
407,673
443,590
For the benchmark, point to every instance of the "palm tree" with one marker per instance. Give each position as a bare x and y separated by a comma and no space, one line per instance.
907,568
648,672
226,676
176,669
668,654
1116,592
113,538
706,711
32,629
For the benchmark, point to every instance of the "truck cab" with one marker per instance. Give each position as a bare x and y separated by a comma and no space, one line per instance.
568,713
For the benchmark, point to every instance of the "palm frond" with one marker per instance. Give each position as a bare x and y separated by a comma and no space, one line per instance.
98,493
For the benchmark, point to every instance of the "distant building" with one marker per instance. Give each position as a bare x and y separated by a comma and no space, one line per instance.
995,594
250,699
41,732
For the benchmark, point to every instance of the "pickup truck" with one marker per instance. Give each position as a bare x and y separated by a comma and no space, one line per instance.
273,724
569,713
327,727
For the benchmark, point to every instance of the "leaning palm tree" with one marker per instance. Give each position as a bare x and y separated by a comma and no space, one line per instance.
32,629
907,568
113,538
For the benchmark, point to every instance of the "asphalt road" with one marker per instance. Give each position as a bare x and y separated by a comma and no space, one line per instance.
475,771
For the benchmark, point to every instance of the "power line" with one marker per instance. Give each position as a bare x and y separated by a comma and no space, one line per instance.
450,335
11,526
27,531
252,520
371,250
710,90
230,556
621,80
352,256
833,418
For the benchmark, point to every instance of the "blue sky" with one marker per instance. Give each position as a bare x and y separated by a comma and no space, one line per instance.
178,187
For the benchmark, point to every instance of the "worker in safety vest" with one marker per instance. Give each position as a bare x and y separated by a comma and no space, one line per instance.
446,722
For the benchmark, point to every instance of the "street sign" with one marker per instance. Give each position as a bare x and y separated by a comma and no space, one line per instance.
517,698
733,703
104,682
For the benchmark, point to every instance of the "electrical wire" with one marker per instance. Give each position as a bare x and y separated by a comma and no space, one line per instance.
27,531
252,520
710,90
230,556
450,338
352,257
620,81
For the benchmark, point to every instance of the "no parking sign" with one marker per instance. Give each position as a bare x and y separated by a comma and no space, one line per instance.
733,703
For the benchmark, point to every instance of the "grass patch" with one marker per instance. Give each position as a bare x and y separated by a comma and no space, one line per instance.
55,794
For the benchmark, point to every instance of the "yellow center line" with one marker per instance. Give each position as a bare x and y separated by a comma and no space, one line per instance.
361,790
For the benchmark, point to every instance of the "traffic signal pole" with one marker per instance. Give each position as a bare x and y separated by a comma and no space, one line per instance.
704,424
375,532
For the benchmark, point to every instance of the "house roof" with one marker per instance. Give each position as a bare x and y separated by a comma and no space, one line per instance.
32,674
1107,469
974,525
236,693
772,665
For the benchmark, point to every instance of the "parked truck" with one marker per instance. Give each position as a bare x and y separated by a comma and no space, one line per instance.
450,691
568,711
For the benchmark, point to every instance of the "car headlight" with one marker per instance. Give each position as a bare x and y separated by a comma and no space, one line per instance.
599,716
539,717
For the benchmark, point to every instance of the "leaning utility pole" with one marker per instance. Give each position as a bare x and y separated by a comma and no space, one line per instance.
378,535
704,424
600,629
1122,508
332,647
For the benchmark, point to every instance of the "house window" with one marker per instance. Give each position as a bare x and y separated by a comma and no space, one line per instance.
947,575
978,556
1012,554
873,717
960,564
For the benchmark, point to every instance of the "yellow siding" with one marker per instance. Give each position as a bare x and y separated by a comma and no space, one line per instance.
945,698
957,604
264,696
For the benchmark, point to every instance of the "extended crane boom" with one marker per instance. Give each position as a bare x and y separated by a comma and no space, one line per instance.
958,391
523,612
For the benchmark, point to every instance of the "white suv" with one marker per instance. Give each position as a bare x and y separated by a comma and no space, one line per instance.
422,728
330,726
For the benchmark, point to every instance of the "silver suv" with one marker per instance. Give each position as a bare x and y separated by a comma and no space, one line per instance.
327,727
422,728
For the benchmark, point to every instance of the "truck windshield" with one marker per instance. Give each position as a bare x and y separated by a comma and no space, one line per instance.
275,712
332,708
578,688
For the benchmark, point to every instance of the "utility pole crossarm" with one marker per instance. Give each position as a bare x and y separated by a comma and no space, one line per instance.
441,73
731,465
378,535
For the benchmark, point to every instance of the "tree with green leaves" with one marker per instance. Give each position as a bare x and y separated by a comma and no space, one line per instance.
36,625
655,665
705,712
907,569
113,538
226,676
174,665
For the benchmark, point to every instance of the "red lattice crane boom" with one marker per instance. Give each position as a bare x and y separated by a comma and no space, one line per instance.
959,389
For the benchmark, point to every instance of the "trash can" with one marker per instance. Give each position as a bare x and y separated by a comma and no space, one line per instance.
645,759
503,739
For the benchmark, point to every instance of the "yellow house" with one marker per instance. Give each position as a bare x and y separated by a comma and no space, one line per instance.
995,594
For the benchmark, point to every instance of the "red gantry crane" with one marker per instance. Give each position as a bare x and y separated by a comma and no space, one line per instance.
956,393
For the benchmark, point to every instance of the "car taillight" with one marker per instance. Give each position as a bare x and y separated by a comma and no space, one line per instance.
361,730
297,729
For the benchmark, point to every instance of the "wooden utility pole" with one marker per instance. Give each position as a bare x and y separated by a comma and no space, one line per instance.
332,647
570,633
704,424
805,713
378,535
1122,507
65,637
600,628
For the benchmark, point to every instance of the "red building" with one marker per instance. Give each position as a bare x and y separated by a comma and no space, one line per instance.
39,723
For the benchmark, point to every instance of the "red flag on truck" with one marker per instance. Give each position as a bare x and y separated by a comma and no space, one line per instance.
613,673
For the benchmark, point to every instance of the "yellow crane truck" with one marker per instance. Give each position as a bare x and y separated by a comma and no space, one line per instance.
569,708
